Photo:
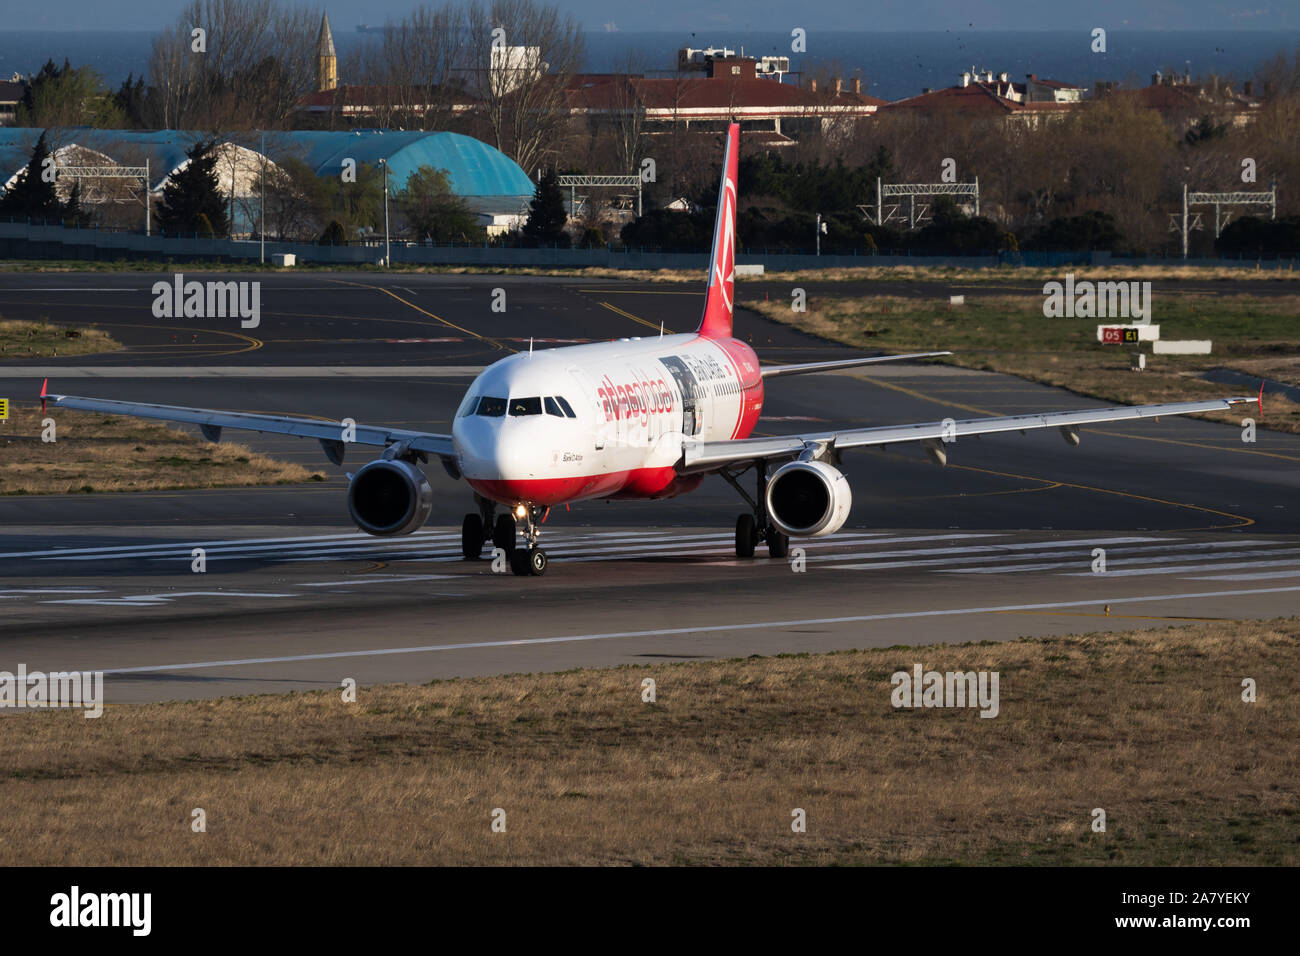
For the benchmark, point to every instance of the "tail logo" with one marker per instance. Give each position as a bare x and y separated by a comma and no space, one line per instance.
724,269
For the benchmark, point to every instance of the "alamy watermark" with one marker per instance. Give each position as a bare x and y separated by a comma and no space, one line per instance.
1097,300
208,300
922,688
80,690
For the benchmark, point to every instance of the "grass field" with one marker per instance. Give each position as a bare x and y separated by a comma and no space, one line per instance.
1253,334
21,339
96,453
1149,726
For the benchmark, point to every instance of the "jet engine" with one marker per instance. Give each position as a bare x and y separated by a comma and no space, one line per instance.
808,499
390,496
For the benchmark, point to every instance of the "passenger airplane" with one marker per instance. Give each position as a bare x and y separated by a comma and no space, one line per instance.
635,418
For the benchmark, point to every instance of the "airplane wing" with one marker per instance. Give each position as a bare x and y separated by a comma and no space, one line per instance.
711,455
775,371
211,422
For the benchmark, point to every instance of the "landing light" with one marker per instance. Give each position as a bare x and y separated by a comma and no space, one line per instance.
521,511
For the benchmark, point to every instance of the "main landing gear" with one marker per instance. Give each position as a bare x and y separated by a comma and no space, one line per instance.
755,527
524,561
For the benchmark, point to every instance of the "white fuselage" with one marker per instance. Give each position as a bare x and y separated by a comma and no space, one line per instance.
603,420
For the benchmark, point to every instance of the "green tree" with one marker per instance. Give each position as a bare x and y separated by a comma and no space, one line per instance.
1093,231
433,211
357,205
73,214
546,214
333,234
32,195
68,96
192,201
297,200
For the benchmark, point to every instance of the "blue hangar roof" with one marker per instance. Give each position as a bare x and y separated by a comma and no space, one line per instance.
475,169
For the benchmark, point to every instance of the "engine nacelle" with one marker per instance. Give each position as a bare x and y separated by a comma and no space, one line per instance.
390,496
808,499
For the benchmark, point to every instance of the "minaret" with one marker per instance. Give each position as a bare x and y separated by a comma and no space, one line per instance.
327,62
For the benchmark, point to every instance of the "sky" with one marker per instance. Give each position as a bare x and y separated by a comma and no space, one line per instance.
857,15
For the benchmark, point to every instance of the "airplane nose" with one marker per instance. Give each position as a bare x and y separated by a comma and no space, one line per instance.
485,455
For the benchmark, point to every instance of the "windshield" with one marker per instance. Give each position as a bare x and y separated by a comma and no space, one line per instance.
491,407
526,406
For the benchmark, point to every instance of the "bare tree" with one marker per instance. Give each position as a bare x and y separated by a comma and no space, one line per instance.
416,69
247,68
522,55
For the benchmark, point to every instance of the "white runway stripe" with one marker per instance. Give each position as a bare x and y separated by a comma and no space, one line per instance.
1194,568
1262,576
680,631
987,549
1010,561
1213,555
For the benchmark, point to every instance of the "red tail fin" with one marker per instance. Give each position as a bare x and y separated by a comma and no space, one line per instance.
716,322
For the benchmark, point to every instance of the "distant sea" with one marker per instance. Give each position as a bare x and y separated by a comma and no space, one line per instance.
893,65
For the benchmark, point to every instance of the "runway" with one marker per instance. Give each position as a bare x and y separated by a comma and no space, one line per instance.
304,610
1194,523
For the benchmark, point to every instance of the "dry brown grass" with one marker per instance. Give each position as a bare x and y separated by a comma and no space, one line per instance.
1148,725
1009,334
22,339
96,453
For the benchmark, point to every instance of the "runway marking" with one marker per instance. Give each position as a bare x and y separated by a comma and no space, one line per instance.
1048,551
638,292
406,302
629,315
1262,576
703,629
1225,566
56,552
1243,521
1230,444
375,580
1211,554
679,545
158,600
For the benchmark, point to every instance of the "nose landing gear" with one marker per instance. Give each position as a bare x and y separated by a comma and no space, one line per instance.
505,530
530,560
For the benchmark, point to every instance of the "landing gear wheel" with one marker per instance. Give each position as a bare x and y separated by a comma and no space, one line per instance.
778,544
746,536
531,562
471,537
503,535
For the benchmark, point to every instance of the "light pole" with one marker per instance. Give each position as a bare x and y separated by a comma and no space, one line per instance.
387,262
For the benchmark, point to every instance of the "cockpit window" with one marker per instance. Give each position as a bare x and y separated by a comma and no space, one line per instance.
525,406
491,407
568,409
553,407
467,407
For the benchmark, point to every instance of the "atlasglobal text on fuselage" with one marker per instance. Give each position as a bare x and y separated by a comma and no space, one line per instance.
633,418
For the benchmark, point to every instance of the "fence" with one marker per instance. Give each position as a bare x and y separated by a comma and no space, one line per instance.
21,240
